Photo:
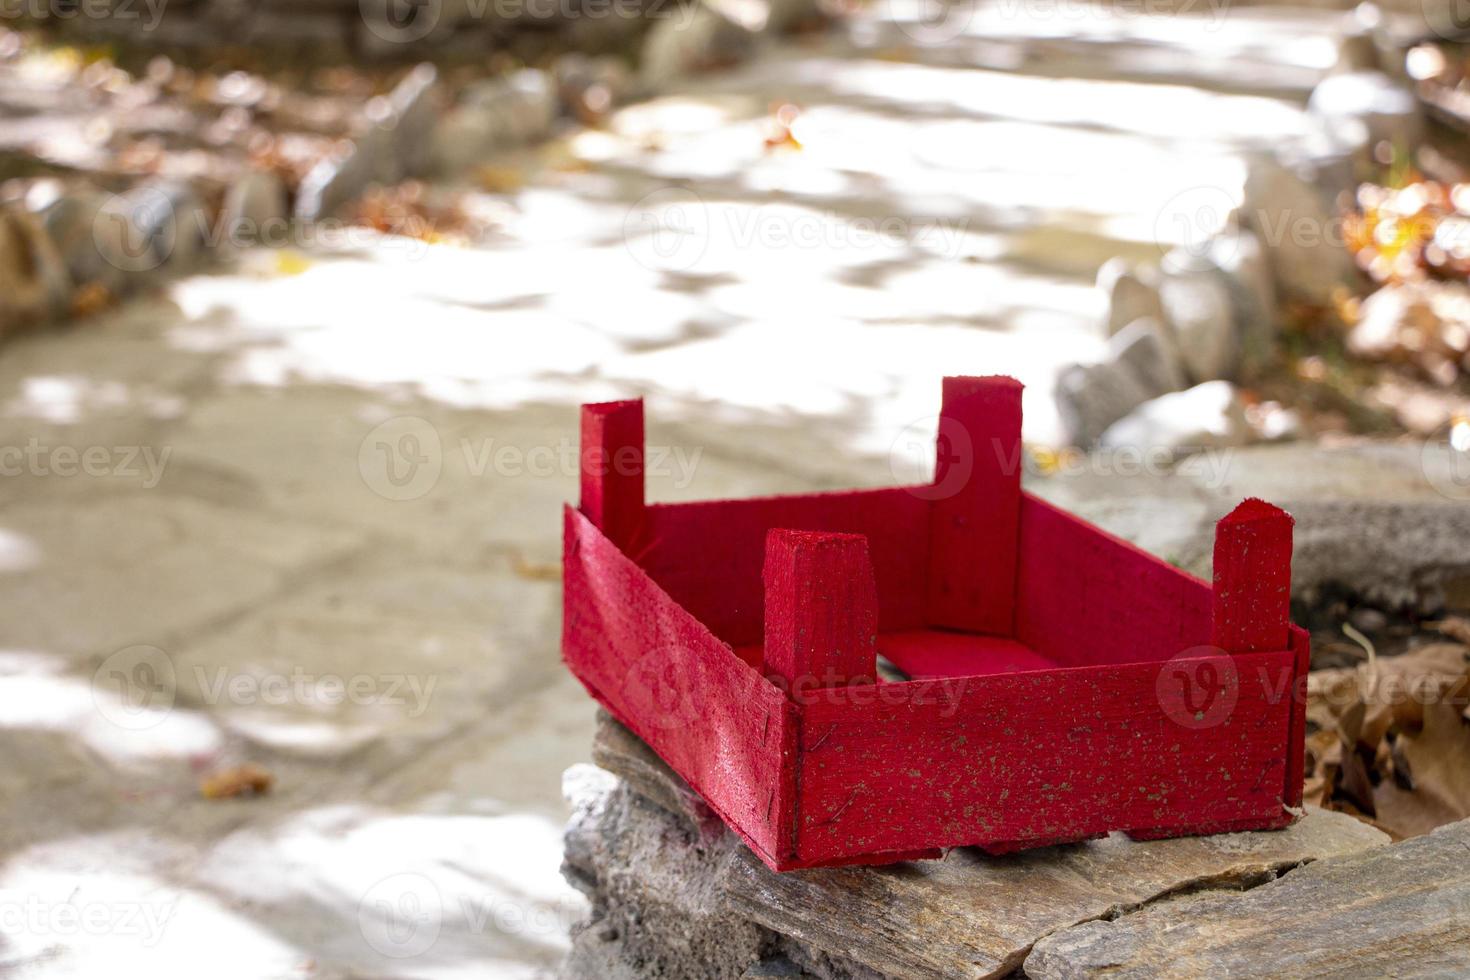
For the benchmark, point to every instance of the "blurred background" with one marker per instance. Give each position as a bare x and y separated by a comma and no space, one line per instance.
298,301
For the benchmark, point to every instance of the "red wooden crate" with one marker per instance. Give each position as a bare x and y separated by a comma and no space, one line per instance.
1062,683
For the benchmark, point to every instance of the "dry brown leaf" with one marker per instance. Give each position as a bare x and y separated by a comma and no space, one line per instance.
1392,745
1455,627
535,571
245,780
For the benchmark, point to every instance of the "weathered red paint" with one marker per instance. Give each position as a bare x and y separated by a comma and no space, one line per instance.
1062,683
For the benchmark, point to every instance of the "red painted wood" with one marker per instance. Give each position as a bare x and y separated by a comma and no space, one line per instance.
1103,705
1086,597
976,499
1252,600
612,469
709,555
1296,742
922,654
721,725
1038,757
821,609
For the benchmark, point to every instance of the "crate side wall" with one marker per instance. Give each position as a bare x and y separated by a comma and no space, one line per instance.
1085,597
708,556
1042,757
725,729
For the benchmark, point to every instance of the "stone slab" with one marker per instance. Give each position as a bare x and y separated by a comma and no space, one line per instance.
968,915
1400,911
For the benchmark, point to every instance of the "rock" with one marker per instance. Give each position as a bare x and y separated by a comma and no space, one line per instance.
1401,910
1142,362
1364,108
155,227
1368,620
656,894
1146,349
784,15
524,103
1207,416
1301,235
254,212
1385,522
620,752
335,179
589,88
1132,294
700,36
90,250
493,115
1356,51
667,903
1238,258
1198,310
34,284
395,142
411,114
1091,397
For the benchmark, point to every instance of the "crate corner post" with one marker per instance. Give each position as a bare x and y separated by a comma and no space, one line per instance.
975,506
1252,613
611,470
821,609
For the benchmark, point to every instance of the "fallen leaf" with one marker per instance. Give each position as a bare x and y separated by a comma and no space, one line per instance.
535,571
245,780
91,298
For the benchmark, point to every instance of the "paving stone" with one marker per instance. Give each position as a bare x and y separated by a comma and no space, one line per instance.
127,560
1401,910
380,656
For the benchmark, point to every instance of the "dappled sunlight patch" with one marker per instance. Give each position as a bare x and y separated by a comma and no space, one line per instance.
18,552
1175,111
426,890
60,908
128,733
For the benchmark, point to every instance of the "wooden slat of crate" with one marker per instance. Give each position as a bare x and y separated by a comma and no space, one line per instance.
1024,759
713,717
